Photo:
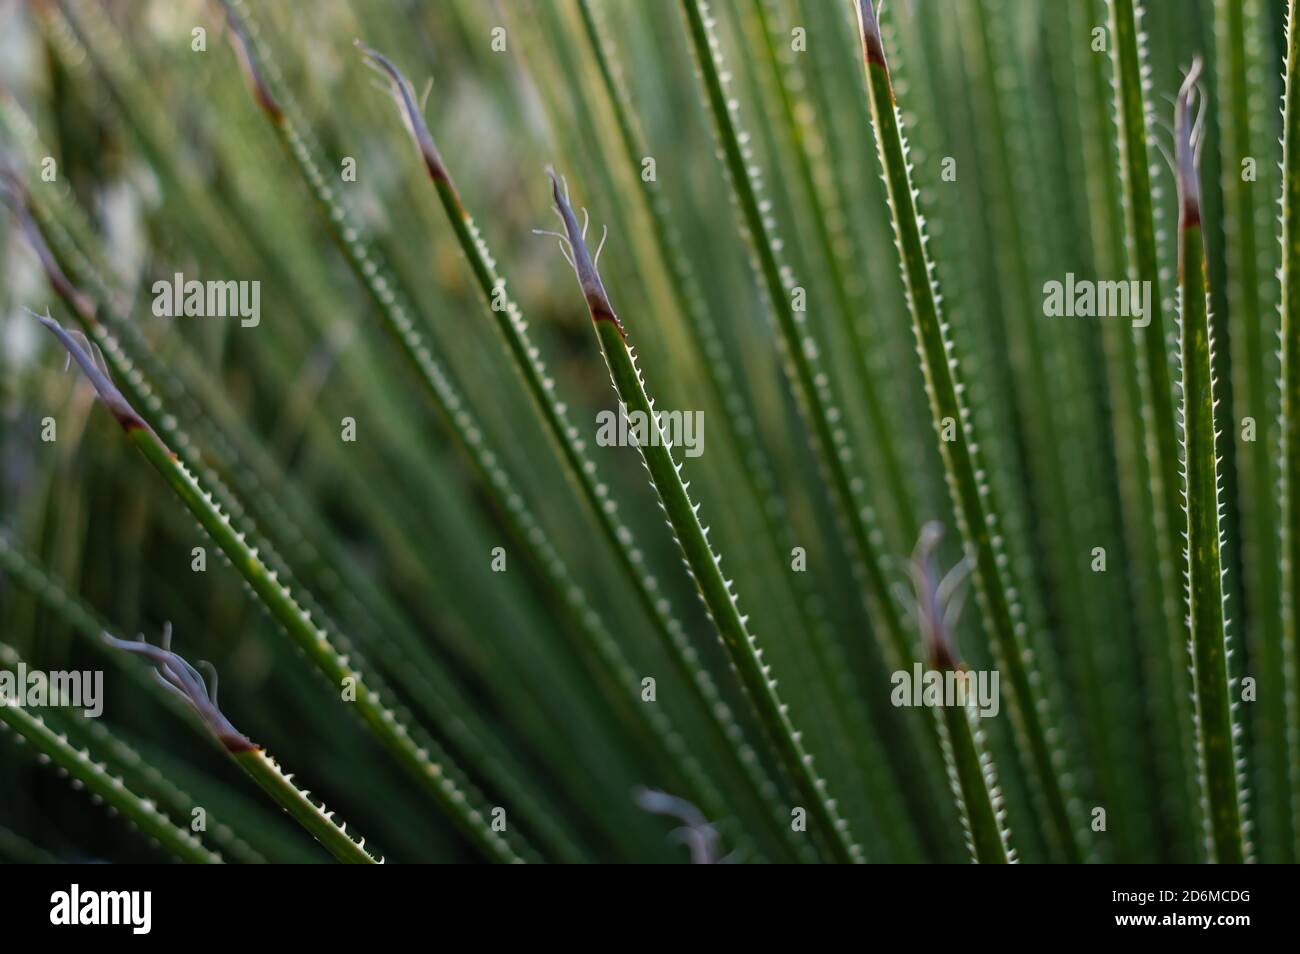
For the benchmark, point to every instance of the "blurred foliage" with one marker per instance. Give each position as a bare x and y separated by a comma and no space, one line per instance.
165,165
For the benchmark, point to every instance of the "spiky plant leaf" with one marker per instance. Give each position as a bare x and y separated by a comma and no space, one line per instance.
582,470
1141,237
1244,72
179,677
414,755
976,511
1216,730
1290,383
705,565
970,764
81,767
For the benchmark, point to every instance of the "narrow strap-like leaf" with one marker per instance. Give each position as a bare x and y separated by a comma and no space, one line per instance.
1099,155
315,818
1290,428
815,189
705,566
976,510
1222,792
1244,73
970,765
141,812
582,471
400,648
725,380
802,357
421,758
1141,235
186,683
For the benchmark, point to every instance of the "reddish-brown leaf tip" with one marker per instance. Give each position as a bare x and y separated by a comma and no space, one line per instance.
243,45
15,196
588,277
937,600
1187,140
873,47
180,678
107,391
412,117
